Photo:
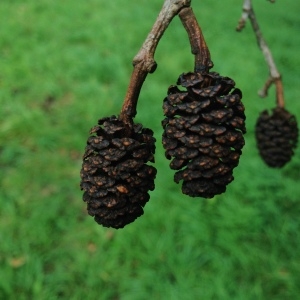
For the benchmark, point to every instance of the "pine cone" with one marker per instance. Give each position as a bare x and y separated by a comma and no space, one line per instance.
276,136
114,175
203,132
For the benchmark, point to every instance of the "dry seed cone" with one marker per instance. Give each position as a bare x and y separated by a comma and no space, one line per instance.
276,136
115,176
203,132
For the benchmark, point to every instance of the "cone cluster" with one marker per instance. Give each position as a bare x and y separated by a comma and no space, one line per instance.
203,132
115,176
276,136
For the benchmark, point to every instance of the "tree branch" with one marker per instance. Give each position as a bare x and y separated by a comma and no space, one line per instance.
275,77
199,47
144,62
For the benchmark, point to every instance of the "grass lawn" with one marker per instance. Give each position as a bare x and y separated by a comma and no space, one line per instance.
64,65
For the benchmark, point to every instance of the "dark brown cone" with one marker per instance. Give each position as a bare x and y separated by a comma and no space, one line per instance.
203,132
276,136
114,175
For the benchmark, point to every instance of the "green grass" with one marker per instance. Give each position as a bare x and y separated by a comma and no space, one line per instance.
65,64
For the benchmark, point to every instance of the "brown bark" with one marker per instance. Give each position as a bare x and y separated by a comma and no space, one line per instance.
199,47
144,62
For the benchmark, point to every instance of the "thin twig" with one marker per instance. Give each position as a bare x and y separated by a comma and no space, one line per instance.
275,77
264,91
199,47
144,62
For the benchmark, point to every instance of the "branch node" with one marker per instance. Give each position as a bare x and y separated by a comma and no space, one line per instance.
143,62
241,25
275,76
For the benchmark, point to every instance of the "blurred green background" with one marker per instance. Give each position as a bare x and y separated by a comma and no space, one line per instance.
64,65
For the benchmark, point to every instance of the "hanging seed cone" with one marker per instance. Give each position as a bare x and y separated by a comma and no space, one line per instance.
114,175
203,132
276,136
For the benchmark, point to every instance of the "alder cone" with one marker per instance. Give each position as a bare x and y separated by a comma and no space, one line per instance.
114,175
203,132
276,136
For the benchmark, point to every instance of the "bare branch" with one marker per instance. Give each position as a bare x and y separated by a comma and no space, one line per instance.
275,77
245,15
144,62
197,41
264,91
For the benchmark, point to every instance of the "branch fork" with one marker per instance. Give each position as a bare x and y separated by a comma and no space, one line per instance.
274,75
144,62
